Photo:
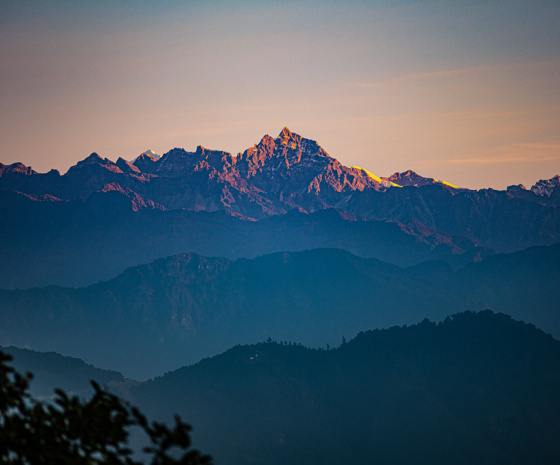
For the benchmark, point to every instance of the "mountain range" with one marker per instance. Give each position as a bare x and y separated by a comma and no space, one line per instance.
177,310
275,196
270,178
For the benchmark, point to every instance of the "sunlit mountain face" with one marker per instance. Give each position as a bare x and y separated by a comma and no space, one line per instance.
272,177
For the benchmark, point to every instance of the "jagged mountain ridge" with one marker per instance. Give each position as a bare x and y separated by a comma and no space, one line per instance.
410,178
276,175
546,187
272,177
289,164
148,154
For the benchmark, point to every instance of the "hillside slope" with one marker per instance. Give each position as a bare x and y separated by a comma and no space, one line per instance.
476,388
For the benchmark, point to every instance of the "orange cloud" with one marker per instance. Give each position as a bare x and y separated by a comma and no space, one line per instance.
515,153
460,72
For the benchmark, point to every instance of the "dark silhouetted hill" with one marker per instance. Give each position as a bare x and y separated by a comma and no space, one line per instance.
475,388
51,370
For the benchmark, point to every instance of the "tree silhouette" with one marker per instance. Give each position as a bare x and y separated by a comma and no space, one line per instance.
74,431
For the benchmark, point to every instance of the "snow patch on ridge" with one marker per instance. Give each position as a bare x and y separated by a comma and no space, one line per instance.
149,153
545,187
383,182
447,183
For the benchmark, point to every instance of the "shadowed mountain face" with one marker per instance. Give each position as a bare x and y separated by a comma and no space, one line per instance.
75,243
503,221
477,388
177,310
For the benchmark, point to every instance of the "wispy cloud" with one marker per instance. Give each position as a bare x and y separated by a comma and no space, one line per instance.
435,75
513,154
532,65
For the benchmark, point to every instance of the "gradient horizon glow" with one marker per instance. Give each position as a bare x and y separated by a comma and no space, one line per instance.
467,92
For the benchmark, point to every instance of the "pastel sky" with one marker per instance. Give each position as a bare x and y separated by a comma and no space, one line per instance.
465,91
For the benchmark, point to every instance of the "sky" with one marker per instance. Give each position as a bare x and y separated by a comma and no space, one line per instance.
464,91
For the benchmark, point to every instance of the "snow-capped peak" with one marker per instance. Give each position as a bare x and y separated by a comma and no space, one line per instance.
410,178
148,153
545,187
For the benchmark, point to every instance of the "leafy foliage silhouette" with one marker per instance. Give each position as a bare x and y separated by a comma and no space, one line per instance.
74,431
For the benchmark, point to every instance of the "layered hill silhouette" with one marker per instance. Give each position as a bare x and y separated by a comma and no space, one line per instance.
77,243
476,388
51,371
175,311
112,215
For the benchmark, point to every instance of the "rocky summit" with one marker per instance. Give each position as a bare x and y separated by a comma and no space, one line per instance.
272,177
289,172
